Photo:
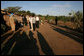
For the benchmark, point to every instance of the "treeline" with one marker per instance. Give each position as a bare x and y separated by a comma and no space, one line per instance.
16,10
74,17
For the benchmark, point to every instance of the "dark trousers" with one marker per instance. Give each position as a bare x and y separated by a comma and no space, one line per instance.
37,24
33,26
30,25
56,22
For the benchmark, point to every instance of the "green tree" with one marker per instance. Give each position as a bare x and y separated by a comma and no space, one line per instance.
32,14
28,12
70,14
78,17
40,15
13,9
78,20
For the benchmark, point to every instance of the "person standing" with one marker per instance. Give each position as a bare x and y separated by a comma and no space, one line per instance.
37,22
30,23
11,20
56,20
24,20
4,26
27,19
33,21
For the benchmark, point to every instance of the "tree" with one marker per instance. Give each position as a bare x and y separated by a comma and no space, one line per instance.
47,16
32,14
13,9
40,15
78,19
28,12
70,14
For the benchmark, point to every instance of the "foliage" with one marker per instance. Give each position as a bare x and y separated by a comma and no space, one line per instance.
17,11
13,9
40,15
28,12
70,13
62,18
78,19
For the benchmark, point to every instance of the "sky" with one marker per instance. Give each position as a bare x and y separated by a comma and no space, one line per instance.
54,8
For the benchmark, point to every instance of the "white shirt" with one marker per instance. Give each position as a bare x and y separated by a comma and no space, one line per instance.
33,20
37,18
30,19
27,17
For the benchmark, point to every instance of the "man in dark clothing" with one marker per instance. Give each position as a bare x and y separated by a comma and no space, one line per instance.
56,20
2,20
24,20
4,27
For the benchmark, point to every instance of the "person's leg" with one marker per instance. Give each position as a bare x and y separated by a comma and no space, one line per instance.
26,23
13,27
37,24
34,26
56,22
23,24
30,25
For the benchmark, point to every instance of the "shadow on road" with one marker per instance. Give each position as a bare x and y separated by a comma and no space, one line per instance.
68,34
64,26
44,45
9,43
25,45
75,32
4,37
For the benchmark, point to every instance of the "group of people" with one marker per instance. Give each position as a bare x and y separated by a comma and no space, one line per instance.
32,21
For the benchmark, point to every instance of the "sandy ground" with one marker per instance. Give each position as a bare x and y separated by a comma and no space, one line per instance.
50,41
60,44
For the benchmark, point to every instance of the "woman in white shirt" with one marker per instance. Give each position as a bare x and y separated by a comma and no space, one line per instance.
30,22
33,22
37,22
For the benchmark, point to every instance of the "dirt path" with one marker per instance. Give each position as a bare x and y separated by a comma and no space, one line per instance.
49,41
60,44
56,43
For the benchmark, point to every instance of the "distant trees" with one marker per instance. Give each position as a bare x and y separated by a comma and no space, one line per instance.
17,11
28,12
70,14
47,16
13,9
77,19
32,14
40,15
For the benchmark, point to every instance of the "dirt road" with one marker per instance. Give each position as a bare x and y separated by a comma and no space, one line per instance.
60,43
48,40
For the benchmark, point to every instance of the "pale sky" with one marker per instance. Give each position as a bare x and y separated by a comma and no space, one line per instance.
54,8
